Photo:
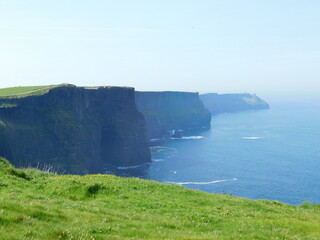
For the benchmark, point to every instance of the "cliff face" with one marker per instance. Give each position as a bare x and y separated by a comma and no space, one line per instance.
164,111
76,129
222,103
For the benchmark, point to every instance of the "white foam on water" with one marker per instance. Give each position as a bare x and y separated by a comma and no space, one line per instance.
162,148
202,183
193,137
130,167
156,139
251,138
188,138
158,160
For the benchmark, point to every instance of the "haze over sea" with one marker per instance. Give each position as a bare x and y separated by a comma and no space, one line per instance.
268,154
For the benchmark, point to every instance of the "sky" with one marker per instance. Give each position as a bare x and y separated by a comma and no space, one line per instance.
185,45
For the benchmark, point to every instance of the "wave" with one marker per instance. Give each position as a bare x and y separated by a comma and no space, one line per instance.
160,147
251,138
130,167
158,160
188,138
140,165
202,183
156,139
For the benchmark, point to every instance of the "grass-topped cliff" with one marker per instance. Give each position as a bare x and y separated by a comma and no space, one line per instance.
25,91
77,129
39,205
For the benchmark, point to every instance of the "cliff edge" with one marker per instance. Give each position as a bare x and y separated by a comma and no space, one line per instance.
223,103
165,111
80,130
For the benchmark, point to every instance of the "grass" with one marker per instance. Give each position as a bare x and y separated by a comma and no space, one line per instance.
14,92
40,205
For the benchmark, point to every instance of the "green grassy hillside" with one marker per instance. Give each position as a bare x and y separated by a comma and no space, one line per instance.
14,92
39,205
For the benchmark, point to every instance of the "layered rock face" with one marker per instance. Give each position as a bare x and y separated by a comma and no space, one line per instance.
164,111
76,129
222,103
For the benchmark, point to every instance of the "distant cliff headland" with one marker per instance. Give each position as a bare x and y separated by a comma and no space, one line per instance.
224,103
82,129
165,111
76,129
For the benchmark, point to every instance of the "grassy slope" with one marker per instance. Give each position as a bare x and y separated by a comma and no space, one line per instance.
36,205
26,91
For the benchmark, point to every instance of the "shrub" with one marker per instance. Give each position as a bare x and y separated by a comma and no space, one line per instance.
94,189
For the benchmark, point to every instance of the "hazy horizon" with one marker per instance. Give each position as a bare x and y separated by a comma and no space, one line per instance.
199,46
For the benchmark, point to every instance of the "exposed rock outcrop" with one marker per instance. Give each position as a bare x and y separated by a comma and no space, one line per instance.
223,103
76,129
165,111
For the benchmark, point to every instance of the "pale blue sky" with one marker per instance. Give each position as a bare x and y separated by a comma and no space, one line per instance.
187,45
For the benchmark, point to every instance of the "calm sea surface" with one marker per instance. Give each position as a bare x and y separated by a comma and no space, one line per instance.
268,154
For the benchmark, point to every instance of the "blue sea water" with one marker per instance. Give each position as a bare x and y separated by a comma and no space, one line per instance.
267,154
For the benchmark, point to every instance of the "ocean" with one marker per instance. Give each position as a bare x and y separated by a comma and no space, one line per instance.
268,154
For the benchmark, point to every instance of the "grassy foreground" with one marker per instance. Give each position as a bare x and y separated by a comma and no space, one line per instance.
39,205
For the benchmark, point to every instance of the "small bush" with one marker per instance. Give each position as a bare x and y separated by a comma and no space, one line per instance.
94,189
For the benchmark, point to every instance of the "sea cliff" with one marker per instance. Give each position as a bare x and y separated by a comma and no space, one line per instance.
165,111
80,130
223,103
